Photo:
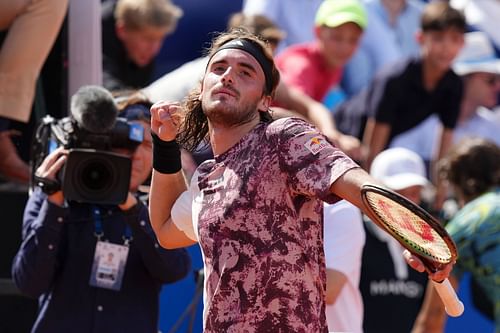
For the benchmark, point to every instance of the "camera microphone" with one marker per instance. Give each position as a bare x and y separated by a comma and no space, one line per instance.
94,109
96,171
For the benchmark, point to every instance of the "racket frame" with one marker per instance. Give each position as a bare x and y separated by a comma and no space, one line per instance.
431,264
453,306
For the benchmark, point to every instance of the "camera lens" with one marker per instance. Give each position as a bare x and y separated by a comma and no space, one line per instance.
96,175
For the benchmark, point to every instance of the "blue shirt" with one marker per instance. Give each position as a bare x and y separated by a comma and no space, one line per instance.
55,259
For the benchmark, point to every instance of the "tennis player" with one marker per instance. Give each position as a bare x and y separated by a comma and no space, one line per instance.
256,208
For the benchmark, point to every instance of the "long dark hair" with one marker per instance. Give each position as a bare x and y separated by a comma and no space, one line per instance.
194,128
472,166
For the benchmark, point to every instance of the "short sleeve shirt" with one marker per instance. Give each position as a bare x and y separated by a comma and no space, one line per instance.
398,97
475,230
260,229
303,67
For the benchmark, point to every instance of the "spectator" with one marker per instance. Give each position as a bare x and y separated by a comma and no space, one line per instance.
58,260
473,169
479,68
344,240
387,285
403,95
132,35
439,88
32,29
315,67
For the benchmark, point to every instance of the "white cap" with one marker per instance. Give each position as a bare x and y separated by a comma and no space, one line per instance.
477,55
399,168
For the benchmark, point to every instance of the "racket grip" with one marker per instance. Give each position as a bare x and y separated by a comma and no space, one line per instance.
453,306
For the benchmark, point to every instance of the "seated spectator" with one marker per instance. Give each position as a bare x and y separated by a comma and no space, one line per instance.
133,32
316,67
479,68
473,169
32,29
344,239
403,95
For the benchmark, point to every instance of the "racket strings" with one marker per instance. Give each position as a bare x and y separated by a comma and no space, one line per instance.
410,228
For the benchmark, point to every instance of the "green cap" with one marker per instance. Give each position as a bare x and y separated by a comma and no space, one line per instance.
333,13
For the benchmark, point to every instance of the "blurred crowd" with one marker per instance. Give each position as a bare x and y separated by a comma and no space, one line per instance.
409,89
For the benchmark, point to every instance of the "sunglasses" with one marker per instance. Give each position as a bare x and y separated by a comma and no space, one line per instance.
492,80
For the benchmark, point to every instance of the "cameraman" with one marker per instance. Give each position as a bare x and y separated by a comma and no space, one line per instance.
73,255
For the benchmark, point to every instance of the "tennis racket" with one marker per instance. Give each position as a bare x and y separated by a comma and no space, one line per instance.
418,232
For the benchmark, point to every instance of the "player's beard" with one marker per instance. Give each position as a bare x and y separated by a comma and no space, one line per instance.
231,116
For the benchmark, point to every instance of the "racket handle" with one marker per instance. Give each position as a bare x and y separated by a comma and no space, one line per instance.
453,306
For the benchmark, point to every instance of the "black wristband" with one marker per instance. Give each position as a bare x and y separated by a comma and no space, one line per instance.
166,155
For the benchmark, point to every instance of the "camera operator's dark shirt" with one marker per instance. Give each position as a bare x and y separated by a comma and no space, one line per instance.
55,260
119,72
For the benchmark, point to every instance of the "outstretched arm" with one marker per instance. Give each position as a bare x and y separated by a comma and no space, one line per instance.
348,186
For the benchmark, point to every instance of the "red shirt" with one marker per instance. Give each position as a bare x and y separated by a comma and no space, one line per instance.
302,66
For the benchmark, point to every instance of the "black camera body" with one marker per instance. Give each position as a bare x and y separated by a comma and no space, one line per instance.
93,173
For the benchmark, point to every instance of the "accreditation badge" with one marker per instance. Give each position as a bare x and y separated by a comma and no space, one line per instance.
109,265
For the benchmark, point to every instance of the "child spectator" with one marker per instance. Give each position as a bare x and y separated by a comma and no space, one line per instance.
479,68
410,91
317,66
405,94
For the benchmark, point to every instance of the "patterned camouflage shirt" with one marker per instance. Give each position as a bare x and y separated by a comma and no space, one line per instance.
260,229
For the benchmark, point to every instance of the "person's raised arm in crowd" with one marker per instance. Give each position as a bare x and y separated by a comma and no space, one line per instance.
293,99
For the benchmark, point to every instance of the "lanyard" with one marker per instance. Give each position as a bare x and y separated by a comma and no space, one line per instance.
98,229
